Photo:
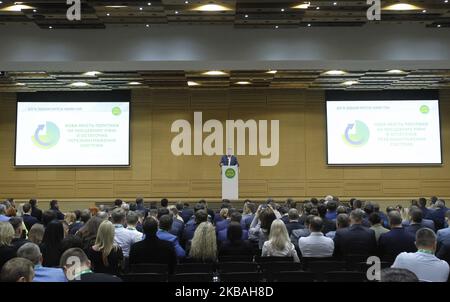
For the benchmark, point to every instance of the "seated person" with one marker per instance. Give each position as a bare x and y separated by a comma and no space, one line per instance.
235,245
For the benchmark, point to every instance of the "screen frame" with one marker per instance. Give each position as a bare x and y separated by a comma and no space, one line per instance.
102,99
373,96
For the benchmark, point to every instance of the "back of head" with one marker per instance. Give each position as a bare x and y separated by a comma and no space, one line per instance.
26,208
368,208
6,233
118,216
71,241
422,202
266,217
165,222
395,218
150,226
279,236
416,215
440,204
31,252
48,216
204,243
17,270
2,209
357,204
341,210
293,214
139,201
332,205
164,202
342,221
223,213
163,211
322,209
316,224
53,204
397,275
73,261
16,222
33,202
179,206
199,206
200,216
85,215
132,218
235,216
425,239
118,202
374,218
357,216
234,232
36,233
54,234
308,220
433,199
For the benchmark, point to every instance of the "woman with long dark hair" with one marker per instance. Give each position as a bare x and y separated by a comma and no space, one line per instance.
51,248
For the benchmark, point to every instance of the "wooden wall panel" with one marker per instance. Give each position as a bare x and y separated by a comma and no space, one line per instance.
155,172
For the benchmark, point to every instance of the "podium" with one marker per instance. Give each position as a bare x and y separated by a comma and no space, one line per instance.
230,182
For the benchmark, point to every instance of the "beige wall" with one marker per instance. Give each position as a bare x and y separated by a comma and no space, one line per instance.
155,172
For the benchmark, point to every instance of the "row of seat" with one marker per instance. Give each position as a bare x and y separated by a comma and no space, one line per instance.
287,276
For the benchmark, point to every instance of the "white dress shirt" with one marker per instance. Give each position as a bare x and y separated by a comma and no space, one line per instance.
316,245
427,267
125,238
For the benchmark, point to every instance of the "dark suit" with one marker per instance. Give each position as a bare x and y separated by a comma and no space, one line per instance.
355,240
59,214
223,235
238,248
413,228
29,221
222,225
188,233
293,225
35,212
233,161
394,242
444,253
177,228
153,250
75,227
438,216
186,214
328,225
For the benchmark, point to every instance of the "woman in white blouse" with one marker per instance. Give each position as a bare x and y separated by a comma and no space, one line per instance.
279,244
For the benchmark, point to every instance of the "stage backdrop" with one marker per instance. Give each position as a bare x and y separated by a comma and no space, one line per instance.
155,172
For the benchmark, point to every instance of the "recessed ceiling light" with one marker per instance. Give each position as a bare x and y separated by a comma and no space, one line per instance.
334,3
147,25
214,73
134,83
16,8
276,26
50,27
282,9
395,71
20,84
140,8
186,2
92,73
176,12
318,7
350,83
439,25
108,14
192,83
149,3
424,11
243,83
309,24
246,16
335,72
34,10
212,8
401,6
272,71
302,6
79,84
116,6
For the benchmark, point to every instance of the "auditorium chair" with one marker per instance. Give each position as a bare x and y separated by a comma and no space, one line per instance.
353,261
240,277
186,268
144,277
306,260
345,277
260,259
192,277
149,268
237,267
294,276
319,268
240,258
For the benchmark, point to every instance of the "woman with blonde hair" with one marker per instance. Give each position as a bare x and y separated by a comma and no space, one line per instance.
105,255
70,218
204,244
7,251
279,244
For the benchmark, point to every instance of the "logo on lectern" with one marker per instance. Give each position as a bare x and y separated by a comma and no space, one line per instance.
230,173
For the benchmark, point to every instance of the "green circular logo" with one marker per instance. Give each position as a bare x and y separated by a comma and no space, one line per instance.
424,109
230,173
356,134
116,111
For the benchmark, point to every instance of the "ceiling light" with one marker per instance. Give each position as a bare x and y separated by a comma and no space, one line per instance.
20,84
214,73
176,12
401,6
243,83
16,8
350,83
302,6
424,11
335,72
309,24
395,71
192,83
147,25
79,84
134,83
335,3
439,25
149,3
92,73
276,26
186,2
108,14
116,6
246,16
318,7
272,71
50,27
282,9
212,8
140,8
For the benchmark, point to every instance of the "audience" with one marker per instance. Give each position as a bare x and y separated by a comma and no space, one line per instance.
397,275
19,232
438,215
189,229
235,217
235,245
17,270
204,244
260,227
443,235
278,243
165,224
51,244
376,225
88,232
55,208
397,240
32,252
356,239
316,244
35,211
36,233
123,237
342,221
28,220
7,251
152,249
105,256
423,263
293,222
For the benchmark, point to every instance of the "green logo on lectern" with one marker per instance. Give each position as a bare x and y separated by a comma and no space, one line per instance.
230,173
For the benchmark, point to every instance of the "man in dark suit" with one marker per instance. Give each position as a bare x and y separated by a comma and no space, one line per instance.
229,159
293,223
35,211
356,239
186,213
397,240
189,229
28,220
80,271
55,208
438,215
416,216
152,249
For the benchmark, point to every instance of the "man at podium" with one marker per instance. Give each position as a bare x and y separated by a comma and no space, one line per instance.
229,159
